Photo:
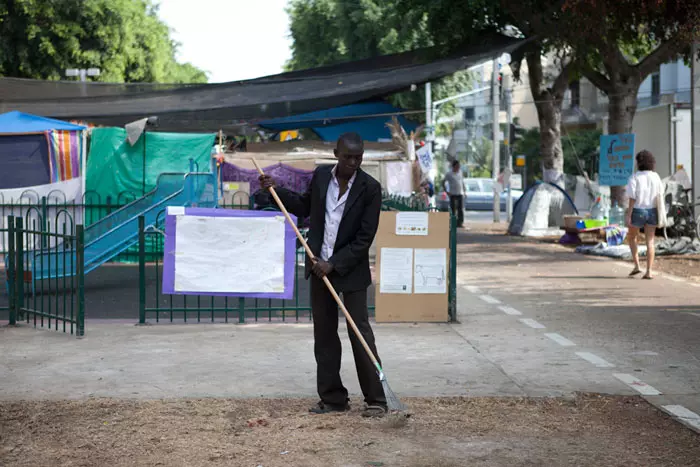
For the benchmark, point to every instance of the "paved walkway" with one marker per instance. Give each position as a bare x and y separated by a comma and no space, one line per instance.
534,320
555,321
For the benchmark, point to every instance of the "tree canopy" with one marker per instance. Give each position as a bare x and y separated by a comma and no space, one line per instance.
124,38
326,32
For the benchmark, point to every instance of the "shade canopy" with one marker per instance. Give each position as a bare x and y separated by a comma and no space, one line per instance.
227,105
18,122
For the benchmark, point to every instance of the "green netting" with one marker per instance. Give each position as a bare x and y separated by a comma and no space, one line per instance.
116,168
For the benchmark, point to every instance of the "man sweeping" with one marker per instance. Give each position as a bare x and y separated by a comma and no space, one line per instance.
343,203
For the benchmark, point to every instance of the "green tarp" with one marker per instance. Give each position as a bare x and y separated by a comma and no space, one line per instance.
115,168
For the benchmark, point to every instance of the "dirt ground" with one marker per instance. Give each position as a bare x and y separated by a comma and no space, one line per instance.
586,430
687,266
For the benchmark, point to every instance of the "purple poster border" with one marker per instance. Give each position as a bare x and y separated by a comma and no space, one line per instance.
170,248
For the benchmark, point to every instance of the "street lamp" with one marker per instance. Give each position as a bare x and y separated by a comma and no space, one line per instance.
83,73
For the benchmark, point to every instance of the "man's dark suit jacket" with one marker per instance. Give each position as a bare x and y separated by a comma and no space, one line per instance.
356,231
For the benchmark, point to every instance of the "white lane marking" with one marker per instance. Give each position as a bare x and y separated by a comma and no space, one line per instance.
509,310
489,299
638,385
692,313
688,416
532,323
645,352
473,289
594,359
559,339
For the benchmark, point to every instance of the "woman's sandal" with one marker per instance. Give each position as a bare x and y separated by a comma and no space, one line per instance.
647,276
635,272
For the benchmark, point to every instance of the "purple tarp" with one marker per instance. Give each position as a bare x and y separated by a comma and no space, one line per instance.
285,176
170,248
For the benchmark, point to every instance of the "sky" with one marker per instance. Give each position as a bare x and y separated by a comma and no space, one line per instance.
230,39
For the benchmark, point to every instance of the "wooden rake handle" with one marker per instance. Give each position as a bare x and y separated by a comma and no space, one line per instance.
311,256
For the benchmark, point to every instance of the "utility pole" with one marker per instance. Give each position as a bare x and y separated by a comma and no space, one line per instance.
496,148
695,123
508,89
429,114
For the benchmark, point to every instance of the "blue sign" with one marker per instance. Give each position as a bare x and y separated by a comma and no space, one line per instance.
616,159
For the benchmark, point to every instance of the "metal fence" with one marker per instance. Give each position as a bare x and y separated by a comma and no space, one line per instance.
154,306
45,275
52,233
42,210
8,263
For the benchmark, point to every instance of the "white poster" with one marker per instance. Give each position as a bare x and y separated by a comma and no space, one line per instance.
229,254
398,177
396,270
411,223
430,270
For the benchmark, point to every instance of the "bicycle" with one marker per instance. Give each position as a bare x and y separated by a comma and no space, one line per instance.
682,212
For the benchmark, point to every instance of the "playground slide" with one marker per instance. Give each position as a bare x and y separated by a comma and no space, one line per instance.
118,231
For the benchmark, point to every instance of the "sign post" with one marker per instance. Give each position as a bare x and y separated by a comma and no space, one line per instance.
616,159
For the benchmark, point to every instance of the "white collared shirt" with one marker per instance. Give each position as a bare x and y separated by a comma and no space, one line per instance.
334,213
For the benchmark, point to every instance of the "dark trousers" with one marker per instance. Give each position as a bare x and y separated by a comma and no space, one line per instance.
457,207
327,348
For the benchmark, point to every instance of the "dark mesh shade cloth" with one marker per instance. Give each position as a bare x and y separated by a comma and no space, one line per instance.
214,106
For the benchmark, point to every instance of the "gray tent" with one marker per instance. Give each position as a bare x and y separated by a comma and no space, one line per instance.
540,211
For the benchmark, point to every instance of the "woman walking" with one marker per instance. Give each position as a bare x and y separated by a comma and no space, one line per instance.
644,191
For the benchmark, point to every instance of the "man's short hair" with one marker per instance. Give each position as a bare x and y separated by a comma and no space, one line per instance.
350,140
455,163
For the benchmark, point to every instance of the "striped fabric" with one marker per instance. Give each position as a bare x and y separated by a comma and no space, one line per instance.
65,148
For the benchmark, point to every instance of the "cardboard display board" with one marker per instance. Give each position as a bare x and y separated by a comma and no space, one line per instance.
415,283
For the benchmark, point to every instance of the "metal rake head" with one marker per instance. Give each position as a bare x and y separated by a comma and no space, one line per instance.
392,401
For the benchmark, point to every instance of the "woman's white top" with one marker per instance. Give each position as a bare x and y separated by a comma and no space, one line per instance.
643,187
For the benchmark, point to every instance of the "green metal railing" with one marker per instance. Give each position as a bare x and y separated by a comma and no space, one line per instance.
155,306
43,209
45,274
415,202
8,235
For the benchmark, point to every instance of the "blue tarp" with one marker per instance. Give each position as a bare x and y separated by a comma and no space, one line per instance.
368,119
19,122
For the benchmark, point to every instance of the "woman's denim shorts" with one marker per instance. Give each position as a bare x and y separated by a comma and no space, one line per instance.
642,217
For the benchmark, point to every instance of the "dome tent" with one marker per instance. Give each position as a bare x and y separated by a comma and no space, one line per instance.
540,211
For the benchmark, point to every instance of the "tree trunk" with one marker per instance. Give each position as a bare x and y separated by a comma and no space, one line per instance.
549,115
621,109
548,102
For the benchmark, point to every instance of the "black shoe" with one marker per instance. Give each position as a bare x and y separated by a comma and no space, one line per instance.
374,411
323,408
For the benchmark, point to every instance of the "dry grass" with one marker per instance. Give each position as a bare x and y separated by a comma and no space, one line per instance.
587,430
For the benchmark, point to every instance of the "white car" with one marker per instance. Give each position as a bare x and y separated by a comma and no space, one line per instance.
479,196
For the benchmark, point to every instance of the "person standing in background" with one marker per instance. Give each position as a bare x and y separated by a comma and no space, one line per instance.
643,190
453,184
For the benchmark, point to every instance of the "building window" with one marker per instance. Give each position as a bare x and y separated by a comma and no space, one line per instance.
575,89
655,88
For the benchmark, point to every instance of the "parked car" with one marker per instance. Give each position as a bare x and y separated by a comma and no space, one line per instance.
479,196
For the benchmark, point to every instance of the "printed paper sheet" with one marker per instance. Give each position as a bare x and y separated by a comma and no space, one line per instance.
411,223
430,270
229,254
396,266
